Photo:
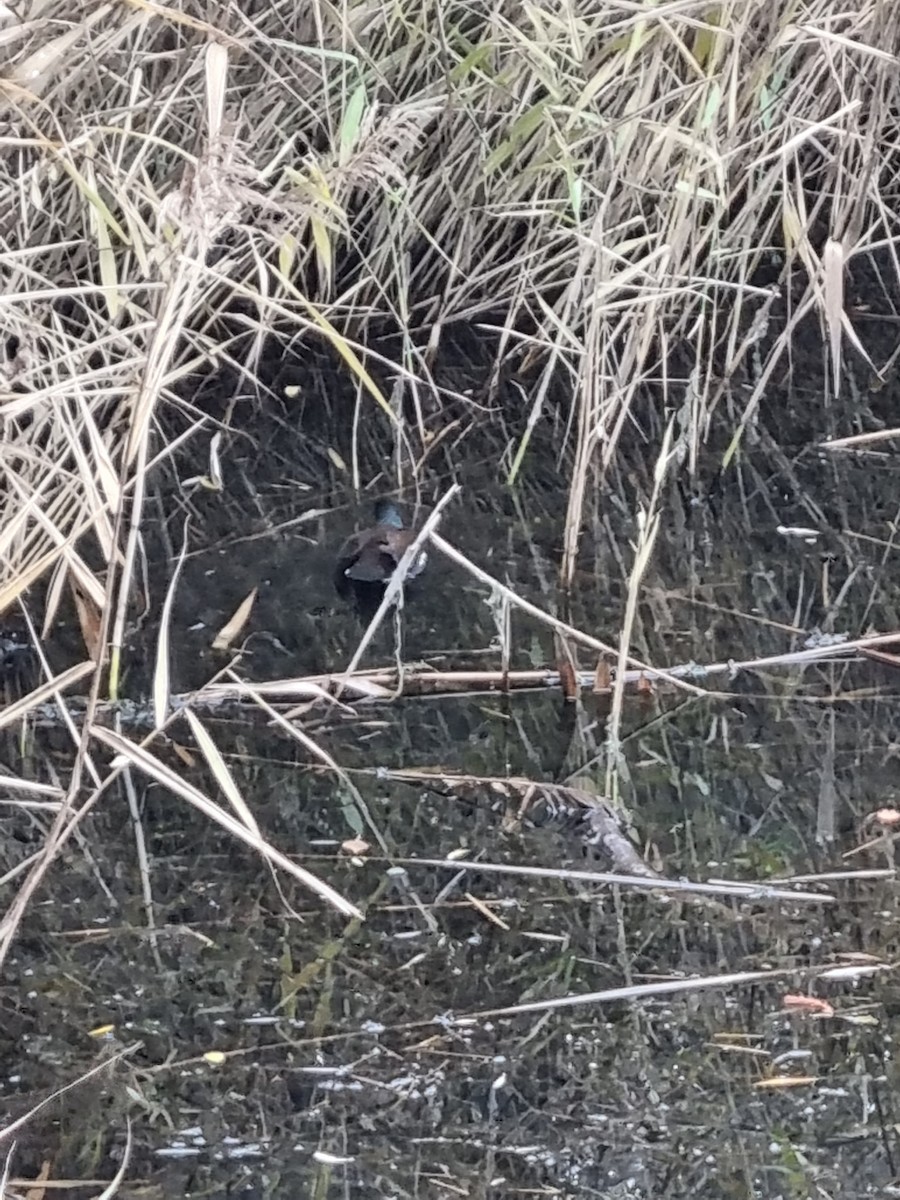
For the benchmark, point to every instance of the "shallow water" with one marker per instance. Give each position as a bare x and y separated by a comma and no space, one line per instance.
347,1069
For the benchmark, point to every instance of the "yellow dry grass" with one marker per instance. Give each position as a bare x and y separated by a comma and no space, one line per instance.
601,182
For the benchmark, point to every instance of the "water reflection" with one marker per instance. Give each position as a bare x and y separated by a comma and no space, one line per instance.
288,1051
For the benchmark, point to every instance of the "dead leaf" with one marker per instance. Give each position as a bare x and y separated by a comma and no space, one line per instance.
355,846
39,1193
807,1004
230,631
184,754
89,619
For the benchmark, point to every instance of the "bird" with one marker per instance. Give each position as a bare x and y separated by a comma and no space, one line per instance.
367,559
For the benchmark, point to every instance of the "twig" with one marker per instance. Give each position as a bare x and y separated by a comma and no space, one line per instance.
745,891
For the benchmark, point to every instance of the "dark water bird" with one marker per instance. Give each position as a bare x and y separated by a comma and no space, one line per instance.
367,559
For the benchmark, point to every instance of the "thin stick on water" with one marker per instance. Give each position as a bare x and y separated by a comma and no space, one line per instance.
727,889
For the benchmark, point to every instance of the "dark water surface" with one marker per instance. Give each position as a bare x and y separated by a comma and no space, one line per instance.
347,1071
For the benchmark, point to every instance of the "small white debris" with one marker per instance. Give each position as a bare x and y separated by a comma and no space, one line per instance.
810,536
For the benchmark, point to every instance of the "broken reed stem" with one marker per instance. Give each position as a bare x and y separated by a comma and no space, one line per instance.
648,528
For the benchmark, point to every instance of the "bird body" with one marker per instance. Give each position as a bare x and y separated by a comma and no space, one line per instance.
368,559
